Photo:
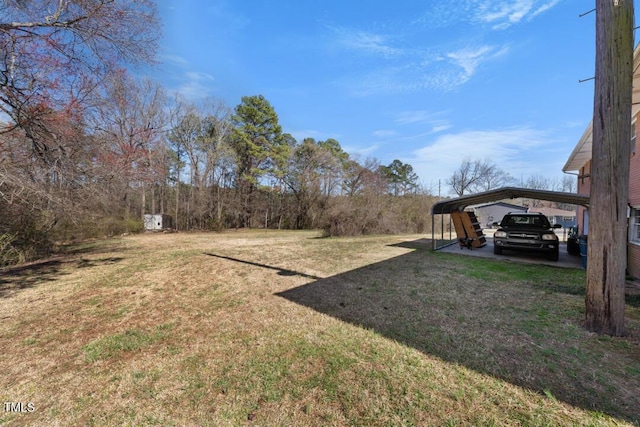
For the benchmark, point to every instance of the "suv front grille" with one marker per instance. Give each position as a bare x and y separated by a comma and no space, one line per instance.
524,235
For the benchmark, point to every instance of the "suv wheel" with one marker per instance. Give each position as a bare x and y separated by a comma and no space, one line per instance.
497,250
553,256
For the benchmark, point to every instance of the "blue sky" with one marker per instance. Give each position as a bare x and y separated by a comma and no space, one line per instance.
428,82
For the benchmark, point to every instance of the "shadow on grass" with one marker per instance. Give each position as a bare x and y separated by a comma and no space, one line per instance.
16,279
19,278
633,299
632,294
280,271
422,244
506,328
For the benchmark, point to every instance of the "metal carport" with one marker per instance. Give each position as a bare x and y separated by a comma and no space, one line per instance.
460,203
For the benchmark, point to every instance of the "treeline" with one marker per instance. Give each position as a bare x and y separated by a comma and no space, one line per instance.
238,169
133,151
86,149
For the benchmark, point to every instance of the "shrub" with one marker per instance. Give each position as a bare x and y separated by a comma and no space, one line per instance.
377,214
9,255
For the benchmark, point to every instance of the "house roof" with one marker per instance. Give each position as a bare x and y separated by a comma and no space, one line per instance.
581,154
553,211
459,203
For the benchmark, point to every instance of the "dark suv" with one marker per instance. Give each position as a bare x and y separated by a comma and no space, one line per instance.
526,232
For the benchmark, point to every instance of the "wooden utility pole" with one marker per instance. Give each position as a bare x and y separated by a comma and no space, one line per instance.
607,260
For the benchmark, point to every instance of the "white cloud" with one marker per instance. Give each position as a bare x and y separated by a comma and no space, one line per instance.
382,81
503,14
384,133
434,120
191,84
440,128
174,60
301,134
359,151
369,43
199,76
471,58
545,7
442,71
416,116
576,124
430,67
500,14
518,151
196,85
511,11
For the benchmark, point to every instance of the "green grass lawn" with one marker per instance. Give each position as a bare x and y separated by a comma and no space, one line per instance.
285,328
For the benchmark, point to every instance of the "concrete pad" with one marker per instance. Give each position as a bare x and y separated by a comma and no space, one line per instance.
566,260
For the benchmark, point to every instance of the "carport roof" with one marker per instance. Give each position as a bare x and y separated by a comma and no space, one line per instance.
460,203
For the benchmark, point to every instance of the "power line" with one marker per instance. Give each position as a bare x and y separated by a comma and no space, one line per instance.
593,10
586,13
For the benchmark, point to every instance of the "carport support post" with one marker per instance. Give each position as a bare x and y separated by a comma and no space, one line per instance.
434,239
433,231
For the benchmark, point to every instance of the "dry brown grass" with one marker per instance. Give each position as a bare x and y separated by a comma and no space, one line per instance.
283,328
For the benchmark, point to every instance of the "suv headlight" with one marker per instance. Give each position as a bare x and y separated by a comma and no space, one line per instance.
549,237
502,234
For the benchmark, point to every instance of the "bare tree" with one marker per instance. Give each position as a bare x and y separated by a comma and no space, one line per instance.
477,175
353,179
465,177
186,129
128,119
537,182
54,56
199,138
493,177
605,301
220,158
568,184
313,170
54,53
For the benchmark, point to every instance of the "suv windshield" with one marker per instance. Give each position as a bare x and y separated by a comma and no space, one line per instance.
537,221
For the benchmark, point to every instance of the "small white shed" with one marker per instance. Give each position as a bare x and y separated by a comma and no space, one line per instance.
157,222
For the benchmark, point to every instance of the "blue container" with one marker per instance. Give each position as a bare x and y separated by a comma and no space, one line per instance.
584,260
583,243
